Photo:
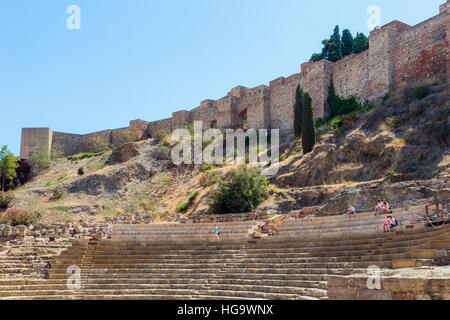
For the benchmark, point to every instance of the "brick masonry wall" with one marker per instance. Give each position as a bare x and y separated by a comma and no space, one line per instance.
226,112
124,135
70,144
446,8
35,140
205,113
142,126
255,101
180,119
282,99
381,62
156,127
316,77
350,75
89,140
420,52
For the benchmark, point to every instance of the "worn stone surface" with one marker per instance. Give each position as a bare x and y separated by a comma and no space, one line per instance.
426,283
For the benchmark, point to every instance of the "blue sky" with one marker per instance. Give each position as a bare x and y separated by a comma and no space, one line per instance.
145,59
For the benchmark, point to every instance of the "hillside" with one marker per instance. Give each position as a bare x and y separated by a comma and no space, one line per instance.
399,150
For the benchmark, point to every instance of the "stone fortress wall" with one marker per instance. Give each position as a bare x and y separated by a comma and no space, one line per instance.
398,55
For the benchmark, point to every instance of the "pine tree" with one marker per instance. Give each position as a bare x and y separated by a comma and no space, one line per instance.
347,43
316,57
334,46
308,130
298,111
360,43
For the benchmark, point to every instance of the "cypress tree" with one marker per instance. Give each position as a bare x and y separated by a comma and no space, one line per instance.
308,130
298,111
332,101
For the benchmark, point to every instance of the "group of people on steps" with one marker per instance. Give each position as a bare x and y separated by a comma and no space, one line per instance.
382,208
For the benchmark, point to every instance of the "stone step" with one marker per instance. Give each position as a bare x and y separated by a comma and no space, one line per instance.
273,295
413,232
153,297
306,251
112,283
164,289
130,245
143,276
220,273
213,266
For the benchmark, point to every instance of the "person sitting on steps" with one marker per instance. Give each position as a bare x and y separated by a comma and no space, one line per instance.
387,223
351,210
385,207
378,207
394,222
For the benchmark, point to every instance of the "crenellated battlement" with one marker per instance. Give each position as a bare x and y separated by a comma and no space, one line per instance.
398,55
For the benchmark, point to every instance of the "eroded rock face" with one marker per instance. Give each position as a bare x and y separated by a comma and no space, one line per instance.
366,195
123,153
112,181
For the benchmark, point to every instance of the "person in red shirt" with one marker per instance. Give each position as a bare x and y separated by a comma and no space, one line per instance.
387,223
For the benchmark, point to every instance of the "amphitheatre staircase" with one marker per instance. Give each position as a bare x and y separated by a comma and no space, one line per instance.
182,261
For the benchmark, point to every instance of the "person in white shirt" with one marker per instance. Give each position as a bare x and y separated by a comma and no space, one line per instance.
378,207
351,210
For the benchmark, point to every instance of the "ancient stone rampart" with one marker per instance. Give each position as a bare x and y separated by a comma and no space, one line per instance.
398,55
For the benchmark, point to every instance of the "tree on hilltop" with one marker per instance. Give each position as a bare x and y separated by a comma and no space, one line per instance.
298,111
338,47
347,43
360,43
8,166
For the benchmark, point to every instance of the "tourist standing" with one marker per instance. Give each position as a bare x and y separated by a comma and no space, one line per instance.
216,232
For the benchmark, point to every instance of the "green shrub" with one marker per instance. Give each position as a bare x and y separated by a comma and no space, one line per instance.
320,122
17,217
349,120
41,160
81,171
336,125
5,199
421,92
56,153
162,153
207,167
162,138
341,106
244,190
84,155
183,207
101,145
131,134
58,193
393,122
282,157
148,204
192,197
209,179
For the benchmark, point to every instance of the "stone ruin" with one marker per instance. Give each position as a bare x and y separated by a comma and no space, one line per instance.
398,55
